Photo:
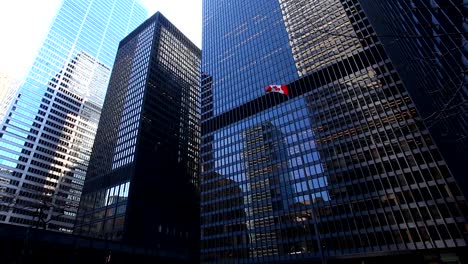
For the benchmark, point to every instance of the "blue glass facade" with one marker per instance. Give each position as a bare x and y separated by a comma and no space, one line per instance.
340,167
48,131
261,57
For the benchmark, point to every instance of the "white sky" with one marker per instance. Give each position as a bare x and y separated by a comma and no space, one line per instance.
24,24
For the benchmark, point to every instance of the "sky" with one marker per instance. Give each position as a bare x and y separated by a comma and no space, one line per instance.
25,23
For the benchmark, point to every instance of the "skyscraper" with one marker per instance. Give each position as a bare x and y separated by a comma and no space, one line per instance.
363,175
47,134
141,186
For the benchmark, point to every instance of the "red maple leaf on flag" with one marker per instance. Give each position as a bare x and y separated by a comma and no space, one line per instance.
282,89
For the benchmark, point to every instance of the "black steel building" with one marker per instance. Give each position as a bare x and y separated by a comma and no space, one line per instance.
343,169
141,186
426,41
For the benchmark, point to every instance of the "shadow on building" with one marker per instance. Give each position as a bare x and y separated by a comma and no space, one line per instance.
27,245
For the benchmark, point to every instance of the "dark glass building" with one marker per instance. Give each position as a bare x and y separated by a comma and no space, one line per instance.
431,55
342,168
141,183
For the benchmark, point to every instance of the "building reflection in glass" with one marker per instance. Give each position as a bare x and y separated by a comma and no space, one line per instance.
364,174
277,172
232,222
266,165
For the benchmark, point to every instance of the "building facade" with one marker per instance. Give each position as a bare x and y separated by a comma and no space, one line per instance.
48,131
432,57
141,186
8,88
343,166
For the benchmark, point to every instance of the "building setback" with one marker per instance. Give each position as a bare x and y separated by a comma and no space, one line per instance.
341,167
141,186
49,128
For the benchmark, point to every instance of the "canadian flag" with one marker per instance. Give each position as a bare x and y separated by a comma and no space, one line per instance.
282,89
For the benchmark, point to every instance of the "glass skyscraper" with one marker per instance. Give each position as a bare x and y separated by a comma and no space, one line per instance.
343,166
48,132
141,186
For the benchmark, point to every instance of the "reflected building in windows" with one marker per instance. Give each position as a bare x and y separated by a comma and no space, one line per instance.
364,175
141,185
234,221
267,178
49,127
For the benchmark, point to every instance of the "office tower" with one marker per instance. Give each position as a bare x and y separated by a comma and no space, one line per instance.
141,184
49,128
363,176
